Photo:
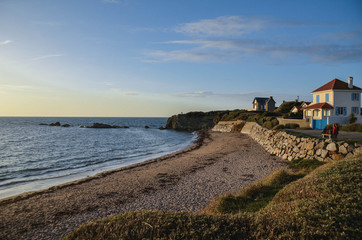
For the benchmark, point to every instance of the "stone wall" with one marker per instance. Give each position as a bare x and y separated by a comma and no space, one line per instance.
301,122
290,147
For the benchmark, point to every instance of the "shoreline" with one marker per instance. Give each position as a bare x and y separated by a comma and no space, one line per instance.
22,196
217,163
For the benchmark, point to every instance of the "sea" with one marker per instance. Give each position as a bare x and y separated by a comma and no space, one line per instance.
35,157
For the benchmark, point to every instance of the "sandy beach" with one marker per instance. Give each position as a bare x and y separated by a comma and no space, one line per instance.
187,180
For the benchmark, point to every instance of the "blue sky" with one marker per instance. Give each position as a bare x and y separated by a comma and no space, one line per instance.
158,58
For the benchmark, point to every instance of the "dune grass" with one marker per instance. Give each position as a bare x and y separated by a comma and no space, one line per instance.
324,204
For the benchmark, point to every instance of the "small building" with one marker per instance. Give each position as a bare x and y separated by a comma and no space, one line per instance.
298,108
263,104
334,102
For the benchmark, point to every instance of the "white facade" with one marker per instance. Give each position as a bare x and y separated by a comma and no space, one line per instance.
343,103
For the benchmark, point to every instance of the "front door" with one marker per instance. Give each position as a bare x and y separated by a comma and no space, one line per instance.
319,123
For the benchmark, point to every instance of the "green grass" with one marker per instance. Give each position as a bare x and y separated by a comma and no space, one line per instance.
325,204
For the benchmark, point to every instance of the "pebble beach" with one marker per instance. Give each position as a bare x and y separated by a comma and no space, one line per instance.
217,164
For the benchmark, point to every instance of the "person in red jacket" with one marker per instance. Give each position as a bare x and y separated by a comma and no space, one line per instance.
334,131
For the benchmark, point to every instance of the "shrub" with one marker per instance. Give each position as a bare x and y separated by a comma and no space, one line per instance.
268,125
352,118
292,125
278,127
354,127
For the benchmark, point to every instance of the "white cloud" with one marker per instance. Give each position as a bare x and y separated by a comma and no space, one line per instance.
5,42
221,26
47,56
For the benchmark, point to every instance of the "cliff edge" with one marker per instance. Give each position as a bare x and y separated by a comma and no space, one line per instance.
194,121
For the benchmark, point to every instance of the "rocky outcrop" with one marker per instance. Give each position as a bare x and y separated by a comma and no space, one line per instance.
56,124
102,125
290,147
194,121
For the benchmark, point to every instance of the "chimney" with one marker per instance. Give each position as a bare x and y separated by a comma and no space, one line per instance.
350,82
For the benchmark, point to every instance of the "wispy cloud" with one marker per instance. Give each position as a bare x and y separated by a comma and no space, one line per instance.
238,39
206,94
111,1
47,56
131,94
5,42
272,51
221,26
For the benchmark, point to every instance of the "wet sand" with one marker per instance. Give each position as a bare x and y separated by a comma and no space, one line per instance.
187,180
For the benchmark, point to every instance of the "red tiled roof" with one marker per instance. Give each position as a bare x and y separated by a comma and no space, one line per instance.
318,105
336,84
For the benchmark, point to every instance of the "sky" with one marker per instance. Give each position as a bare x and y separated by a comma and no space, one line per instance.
143,58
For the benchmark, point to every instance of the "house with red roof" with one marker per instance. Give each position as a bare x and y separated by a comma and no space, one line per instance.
334,102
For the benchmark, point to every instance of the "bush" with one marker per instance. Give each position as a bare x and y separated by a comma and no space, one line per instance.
292,125
354,127
278,127
352,118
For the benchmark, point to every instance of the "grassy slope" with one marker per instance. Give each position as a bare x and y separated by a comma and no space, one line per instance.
326,204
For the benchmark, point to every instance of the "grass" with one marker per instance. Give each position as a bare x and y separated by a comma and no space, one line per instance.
325,204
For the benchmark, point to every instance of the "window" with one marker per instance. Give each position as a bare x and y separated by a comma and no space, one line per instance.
315,113
308,113
327,97
327,112
355,110
341,111
317,98
355,96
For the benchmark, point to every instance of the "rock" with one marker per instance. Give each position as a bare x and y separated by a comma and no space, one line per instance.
358,151
342,149
65,125
147,126
102,125
318,152
285,157
350,148
290,158
310,145
311,152
43,124
324,153
57,124
321,145
337,156
332,147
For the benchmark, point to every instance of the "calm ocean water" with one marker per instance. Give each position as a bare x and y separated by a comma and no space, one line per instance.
34,157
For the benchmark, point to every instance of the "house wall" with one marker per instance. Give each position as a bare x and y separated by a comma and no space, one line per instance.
344,99
270,106
322,97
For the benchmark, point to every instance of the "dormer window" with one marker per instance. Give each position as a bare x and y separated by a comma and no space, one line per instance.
327,97
317,98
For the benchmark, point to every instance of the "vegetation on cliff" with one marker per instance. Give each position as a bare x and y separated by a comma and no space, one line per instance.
325,204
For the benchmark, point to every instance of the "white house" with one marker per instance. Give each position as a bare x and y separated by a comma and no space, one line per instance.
334,102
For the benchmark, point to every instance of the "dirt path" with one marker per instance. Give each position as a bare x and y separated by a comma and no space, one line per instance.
187,180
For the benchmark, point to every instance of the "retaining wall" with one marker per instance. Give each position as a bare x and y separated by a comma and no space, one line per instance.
290,147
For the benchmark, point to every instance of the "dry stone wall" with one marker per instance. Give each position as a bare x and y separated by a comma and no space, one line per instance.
290,147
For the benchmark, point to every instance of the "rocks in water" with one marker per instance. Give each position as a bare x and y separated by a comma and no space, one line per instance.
102,125
147,126
56,124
